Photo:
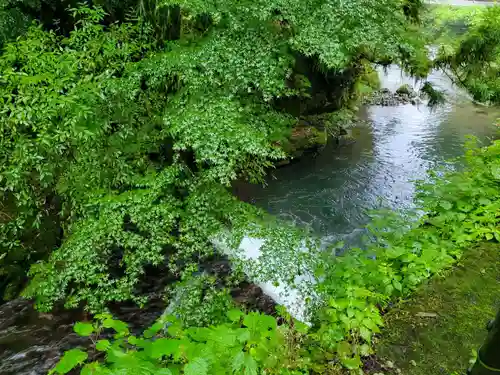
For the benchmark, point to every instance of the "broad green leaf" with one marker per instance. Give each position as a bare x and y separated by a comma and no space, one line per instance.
238,362
397,285
484,201
243,334
344,349
252,321
250,365
69,361
93,368
365,350
495,170
163,371
351,363
119,326
153,330
164,347
365,333
198,366
446,205
301,327
234,315
102,345
83,329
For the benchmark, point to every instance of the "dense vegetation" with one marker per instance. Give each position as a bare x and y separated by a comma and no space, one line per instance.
473,56
120,135
123,127
462,208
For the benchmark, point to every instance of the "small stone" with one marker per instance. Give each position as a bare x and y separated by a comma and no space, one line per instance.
413,363
426,315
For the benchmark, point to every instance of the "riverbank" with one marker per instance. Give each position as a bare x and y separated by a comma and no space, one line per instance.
439,327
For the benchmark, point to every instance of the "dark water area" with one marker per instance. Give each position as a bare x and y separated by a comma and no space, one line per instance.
31,343
331,192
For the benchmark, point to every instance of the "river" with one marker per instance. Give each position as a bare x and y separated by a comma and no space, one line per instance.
332,191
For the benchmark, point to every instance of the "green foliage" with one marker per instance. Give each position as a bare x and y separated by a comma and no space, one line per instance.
243,344
475,61
13,21
121,137
435,96
446,24
460,208
71,359
200,302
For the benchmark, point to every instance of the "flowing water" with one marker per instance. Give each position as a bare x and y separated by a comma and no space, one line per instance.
332,191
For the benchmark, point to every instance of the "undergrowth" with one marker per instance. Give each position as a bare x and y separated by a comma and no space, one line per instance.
461,208
440,327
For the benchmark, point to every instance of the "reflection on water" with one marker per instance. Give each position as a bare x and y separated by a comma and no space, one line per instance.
332,191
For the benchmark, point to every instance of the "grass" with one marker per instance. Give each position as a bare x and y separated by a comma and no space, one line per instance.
437,330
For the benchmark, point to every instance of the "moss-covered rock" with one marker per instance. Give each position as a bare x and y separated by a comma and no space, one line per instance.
305,138
405,90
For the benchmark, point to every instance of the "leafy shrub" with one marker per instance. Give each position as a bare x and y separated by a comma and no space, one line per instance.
244,344
461,208
199,302
124,136
474,63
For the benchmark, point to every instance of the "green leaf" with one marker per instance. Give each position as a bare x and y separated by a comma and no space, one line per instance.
153,330
244,335
365,350
238,362
351,363
119,326
163,371
495,170
365,333
252,321
484,201
102,345
344,349
69,361
301,327
397,285
198,366
446,205
164,347
251,367
93,368
234,315
83,329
